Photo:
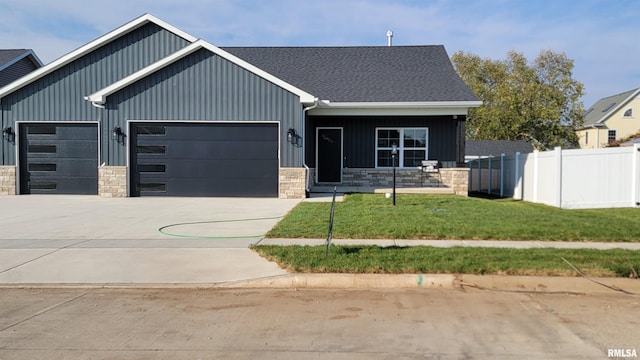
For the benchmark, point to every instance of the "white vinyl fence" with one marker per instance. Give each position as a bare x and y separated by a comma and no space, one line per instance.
572,179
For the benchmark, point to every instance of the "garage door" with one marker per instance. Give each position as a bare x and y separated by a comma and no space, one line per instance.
204,159
58,158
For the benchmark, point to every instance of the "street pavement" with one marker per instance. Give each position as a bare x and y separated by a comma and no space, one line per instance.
88,240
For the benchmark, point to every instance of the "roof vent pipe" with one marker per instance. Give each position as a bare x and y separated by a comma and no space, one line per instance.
389,36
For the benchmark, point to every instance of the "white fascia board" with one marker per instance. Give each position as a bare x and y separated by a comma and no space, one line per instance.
616,108
99,98
85,49
435,108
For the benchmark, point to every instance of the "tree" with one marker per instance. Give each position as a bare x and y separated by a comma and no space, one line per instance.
537,102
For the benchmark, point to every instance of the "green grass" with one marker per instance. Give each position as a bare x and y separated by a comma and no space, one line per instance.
371,216
457,260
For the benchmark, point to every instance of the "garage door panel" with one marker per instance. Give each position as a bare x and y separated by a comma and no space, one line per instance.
207,149
223,132
215,169
58,158
205,159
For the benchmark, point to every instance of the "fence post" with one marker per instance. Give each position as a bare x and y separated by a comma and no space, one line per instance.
535,175
558,156
517,184
635,177
490,177
479,175
502,175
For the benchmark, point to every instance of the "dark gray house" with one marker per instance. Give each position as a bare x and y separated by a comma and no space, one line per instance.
150,110
16,63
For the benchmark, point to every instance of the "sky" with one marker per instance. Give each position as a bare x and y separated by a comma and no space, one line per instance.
601,36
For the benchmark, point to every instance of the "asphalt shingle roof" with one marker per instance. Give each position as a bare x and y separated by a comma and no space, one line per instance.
497,147
10,55
363,74
604,106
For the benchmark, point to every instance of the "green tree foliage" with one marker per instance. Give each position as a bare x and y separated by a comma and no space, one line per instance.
522,101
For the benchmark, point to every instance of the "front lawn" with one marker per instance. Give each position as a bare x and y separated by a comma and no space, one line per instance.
457,260
372,216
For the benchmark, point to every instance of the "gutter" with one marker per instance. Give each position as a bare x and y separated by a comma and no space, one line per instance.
307,190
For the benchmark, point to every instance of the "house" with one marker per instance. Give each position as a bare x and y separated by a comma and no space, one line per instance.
15,63
479,149
148,109
610,119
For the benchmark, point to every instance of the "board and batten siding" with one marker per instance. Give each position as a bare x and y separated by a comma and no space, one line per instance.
206,87
59,96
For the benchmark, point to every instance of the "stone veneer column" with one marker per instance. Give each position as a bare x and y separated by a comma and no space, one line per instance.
7,180
292,183
112,181
457,179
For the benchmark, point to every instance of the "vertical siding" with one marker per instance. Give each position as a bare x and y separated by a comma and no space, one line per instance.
206,87
360,136
59,96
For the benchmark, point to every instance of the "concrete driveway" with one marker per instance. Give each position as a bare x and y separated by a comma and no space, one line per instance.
60,239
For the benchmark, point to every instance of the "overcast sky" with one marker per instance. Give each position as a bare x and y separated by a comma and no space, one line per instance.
603,37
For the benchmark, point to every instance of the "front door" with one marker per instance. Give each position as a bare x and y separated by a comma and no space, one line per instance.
329,155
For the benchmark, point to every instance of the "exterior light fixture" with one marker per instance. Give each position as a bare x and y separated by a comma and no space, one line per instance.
117,134
7,133
394,152
291,135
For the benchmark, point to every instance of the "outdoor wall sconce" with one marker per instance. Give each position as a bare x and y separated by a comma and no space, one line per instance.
8,134
117,134
291,136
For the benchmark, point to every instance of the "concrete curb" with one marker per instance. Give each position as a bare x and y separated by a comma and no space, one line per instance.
350,281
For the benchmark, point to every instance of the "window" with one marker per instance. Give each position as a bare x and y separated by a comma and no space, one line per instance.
611,136
628,113
608,107
411,143
586,137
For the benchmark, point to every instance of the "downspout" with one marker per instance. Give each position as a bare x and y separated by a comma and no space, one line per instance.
307,190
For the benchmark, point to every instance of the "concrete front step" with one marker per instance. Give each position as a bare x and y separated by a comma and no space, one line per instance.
378,190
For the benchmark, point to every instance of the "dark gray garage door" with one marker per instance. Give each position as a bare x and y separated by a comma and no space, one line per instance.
59,158
204,159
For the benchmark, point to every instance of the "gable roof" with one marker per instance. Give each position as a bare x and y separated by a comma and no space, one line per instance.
83,50
380,74
605,107
99,98
496,147
9,57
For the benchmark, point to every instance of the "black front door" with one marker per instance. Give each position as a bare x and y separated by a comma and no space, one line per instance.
329,150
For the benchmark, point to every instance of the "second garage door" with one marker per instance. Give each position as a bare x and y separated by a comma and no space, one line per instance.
204,159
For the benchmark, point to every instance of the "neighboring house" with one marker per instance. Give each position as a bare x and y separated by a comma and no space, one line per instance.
611,119
164,113
16,63
480,149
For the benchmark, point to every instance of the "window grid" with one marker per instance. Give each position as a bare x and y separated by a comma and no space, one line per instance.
412,146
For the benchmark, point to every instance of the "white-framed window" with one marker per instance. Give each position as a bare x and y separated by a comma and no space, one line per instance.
412,143
611,136
628,113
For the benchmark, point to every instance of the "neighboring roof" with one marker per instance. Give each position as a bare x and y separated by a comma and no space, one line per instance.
99,98
364,74
66,59
497,147
631,142
11,56
605,107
